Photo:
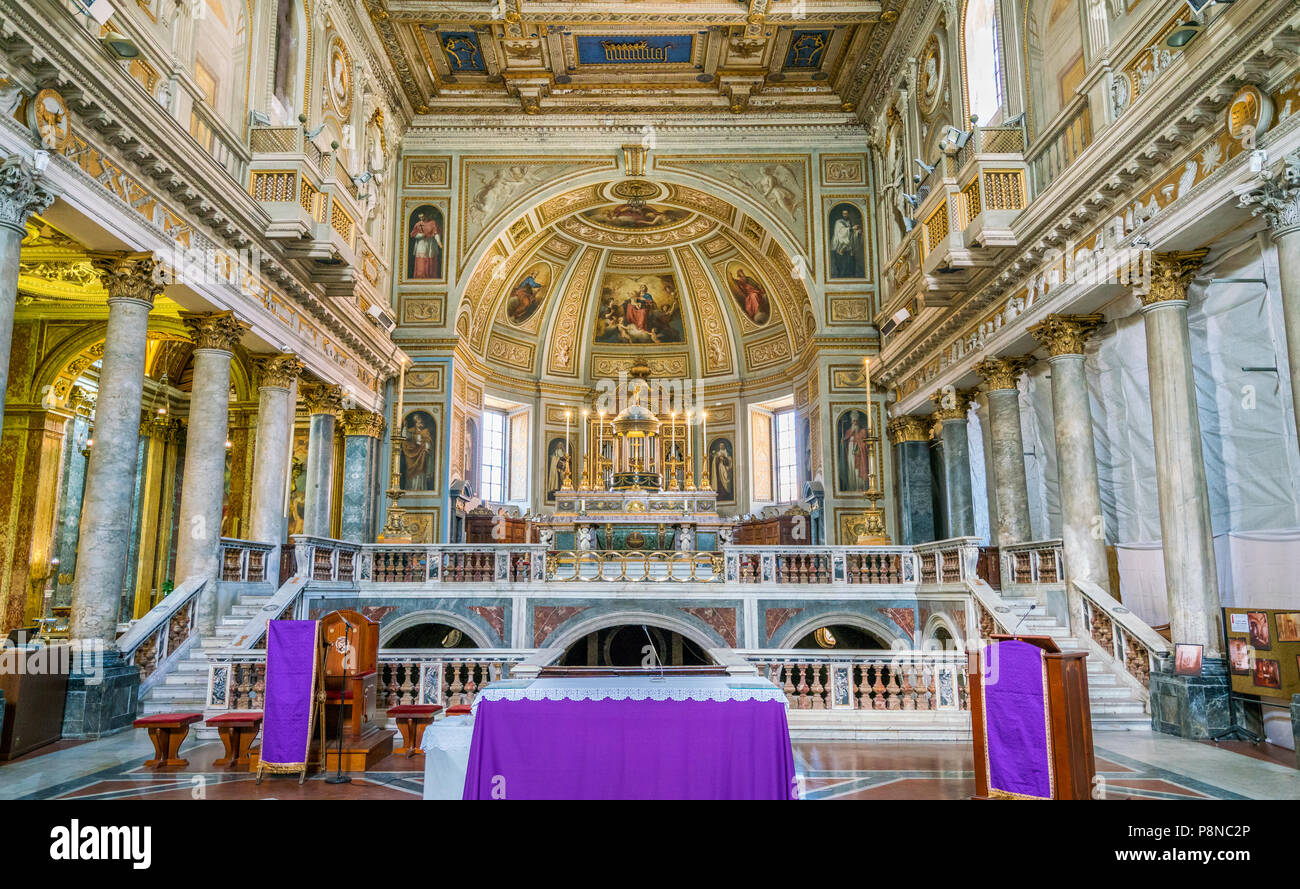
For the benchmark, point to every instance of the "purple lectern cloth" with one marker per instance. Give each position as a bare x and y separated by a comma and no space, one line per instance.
1015,720
629,749
291,656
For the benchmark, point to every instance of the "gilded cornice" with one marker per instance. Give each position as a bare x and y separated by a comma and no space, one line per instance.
908,428
1171,273
214,330
1066,334
1003,372
277,371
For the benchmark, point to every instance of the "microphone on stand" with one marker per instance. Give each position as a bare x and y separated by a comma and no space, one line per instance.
338,777
660,678
1022,618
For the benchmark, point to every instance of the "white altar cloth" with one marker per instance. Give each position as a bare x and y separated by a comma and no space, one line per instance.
446,756
632,688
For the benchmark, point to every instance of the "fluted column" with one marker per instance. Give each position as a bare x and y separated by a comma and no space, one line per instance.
910,437
324,402
361,433
273,448
22,193
105,533
1083,536
1007,445
954,404
198,546
1190,576
1277,200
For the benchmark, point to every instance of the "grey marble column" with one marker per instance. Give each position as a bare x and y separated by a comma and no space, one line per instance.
272,449
198,524
22,193
361,433
1007,446
910,437
953,405
104,537
1277,200
1083,535
324,402
1186,537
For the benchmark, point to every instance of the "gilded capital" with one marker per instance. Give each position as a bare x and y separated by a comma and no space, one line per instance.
214,330
277,371
952,403
362,422
1277,198
1066,334
22,193
1170,275
908,428
322,398
1003,372
129,276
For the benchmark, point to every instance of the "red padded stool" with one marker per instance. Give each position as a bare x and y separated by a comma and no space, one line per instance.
237,728
458,710
411,718
168,732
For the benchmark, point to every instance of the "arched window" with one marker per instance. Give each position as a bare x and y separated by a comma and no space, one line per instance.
983,59
1054,65
221,58
290,63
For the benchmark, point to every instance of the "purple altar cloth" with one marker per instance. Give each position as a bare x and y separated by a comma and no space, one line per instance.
630,749
1015,721
291,657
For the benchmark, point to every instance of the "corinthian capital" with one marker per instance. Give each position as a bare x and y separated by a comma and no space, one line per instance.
1004,372
1277,198
278,371
322,398
22,193
1170,275
1066,334
214,330
952,404
128,276
362,422
908,428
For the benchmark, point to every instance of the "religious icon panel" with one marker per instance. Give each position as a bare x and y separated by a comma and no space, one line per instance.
639,310
425,244
418,464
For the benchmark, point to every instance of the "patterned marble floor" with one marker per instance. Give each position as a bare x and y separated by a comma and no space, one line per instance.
1133,765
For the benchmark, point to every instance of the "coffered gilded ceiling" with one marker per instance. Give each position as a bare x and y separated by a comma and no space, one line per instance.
610,56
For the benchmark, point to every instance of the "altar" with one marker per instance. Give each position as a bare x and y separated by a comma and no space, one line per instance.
631,735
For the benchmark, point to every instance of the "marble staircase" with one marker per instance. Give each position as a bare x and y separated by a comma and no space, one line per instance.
1115,705
186,685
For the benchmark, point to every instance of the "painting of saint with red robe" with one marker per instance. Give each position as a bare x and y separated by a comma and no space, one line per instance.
853,445
749,292
424,244
639,310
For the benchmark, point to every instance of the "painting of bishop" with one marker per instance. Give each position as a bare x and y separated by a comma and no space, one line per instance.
424,244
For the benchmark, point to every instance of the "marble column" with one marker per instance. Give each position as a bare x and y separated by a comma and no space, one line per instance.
324,402
1277,200
272,450
22,193
1188,706
198,544
910,437
361,433
102,696
1083,534
1007,446
953,405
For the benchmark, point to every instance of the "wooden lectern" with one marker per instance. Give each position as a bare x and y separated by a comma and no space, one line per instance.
352,683
1062,708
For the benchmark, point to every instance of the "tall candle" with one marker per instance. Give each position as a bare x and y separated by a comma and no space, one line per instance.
866,377
401,392
600,449
688,440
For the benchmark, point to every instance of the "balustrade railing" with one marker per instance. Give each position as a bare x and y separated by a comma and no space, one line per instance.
866,680
1055,149
1119,634
323,560
157,640
1037,561
861,565
633,566
951,561
217,140
245,561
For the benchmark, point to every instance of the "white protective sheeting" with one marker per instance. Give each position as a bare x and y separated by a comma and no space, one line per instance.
1037,428
1252,462
979,491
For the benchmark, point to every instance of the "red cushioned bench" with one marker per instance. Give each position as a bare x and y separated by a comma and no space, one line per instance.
411,718
458,710
237,728
168,732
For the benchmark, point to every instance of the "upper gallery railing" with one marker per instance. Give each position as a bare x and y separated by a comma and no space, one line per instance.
866,680
1036,561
